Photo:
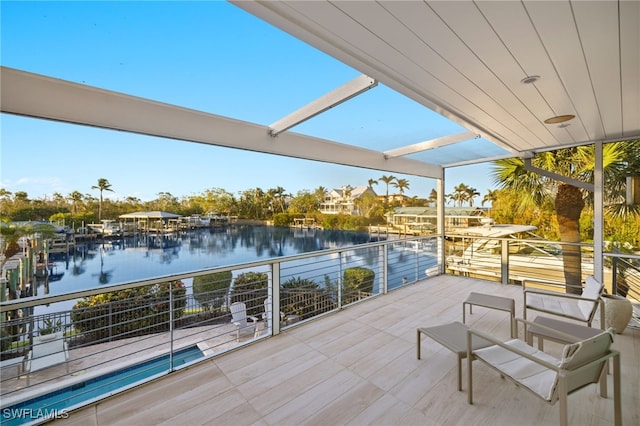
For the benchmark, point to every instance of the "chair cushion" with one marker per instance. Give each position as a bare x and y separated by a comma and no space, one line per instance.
592,290
585,351
534,376
562,306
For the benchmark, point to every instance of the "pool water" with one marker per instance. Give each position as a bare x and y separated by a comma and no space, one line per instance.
58,402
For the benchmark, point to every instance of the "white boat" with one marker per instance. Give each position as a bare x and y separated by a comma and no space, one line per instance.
530,257
106,228
195,221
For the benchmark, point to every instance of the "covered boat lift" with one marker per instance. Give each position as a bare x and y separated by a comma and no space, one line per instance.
153,221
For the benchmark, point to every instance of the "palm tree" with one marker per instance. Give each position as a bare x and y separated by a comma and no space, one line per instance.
320,193
103,185
279,198
433,197
372,182
471,194
401,185
76,198
460,194
569,201
490,197
387,180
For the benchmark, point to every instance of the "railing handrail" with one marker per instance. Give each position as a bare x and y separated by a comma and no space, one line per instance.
27,302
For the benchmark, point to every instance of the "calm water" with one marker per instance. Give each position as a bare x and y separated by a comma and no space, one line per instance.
102,264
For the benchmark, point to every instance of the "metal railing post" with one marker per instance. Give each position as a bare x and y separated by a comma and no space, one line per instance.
340,272
385,265
504,261
275,299
171,337
614,276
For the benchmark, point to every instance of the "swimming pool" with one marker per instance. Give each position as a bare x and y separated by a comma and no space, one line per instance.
57,404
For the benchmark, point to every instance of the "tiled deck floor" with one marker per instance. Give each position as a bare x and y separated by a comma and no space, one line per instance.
359,367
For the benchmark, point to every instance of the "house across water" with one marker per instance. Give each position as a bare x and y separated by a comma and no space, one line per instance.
422,220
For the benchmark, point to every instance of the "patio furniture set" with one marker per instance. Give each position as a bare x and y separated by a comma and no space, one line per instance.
585,356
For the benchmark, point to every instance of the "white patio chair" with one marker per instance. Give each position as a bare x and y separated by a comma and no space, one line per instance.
548,378
47,351
245,325
580,307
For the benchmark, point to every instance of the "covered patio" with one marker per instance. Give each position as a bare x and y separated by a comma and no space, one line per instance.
359,366
520,77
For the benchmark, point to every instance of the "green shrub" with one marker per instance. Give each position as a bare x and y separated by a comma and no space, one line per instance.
357,283
130,312
300,283
282,219
251,288
305,298
210,290
5,340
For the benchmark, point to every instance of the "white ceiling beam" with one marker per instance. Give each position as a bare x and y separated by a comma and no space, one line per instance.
343,93
430,144
39,96
528,165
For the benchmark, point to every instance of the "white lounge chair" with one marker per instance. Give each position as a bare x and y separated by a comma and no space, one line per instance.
245,325
580,307
47,351
551,379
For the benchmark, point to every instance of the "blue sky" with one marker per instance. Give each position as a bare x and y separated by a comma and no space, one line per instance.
209,56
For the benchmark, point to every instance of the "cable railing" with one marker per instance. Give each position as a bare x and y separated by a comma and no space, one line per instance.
516,261
68,350
625,275
60,352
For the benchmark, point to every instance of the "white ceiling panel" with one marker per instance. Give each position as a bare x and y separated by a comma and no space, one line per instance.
630,65
598,28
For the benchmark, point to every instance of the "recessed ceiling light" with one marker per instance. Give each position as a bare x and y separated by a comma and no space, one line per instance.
559,119
530,79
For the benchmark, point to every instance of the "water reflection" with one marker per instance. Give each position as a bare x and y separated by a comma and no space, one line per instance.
99,263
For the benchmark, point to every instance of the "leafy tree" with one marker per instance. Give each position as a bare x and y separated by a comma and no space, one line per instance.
369,206
217,200
569,201
166,202
304,202
103,185
209,290
282,219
